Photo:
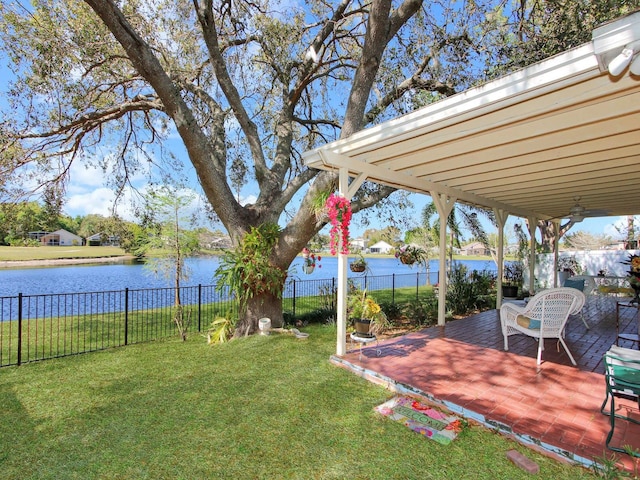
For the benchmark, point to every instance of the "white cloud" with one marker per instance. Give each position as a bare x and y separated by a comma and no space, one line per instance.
83,177
96,201
248,200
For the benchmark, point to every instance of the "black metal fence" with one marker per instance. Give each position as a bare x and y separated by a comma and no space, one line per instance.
40,327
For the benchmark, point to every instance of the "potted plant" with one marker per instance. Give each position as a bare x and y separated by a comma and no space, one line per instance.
309,260
364,311
359,264
409,254
512,278
634,276
567,267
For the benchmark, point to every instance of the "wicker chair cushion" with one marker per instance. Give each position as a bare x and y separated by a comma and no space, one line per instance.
527,322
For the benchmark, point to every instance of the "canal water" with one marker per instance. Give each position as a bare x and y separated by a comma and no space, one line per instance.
109,277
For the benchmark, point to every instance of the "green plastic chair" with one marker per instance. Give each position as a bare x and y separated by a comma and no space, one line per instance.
622,377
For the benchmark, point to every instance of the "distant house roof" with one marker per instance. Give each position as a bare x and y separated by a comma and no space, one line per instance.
61,237
380,247
475,248
358,242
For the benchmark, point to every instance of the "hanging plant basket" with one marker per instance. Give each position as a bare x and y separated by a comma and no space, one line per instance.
356,267
407,259
308,269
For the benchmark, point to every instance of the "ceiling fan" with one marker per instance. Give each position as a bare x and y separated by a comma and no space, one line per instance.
577,213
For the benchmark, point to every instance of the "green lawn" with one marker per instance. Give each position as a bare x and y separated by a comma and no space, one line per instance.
257,408
51,253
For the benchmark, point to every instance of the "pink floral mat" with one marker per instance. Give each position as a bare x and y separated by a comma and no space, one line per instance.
423,419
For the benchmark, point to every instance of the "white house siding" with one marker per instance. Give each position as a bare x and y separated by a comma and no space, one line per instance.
380,247
62,238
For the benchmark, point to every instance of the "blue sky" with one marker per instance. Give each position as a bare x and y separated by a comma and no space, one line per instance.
88,192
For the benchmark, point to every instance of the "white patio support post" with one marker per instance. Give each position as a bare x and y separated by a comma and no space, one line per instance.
444,204
347,191
556,246
501,219
533,221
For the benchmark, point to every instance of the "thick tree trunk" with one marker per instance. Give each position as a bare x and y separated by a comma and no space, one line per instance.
548,236
258,307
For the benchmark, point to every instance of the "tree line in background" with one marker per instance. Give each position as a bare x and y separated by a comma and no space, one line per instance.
18,219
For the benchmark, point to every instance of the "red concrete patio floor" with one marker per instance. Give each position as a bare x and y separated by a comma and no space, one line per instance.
554,408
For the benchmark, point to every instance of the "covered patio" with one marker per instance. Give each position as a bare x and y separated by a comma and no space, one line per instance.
554,408
531,144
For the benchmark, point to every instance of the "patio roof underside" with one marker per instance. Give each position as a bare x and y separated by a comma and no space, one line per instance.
530,143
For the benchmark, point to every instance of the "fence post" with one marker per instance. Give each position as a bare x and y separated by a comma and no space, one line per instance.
20,329
393,289
417,286
199,307
334,295
293,314
126,315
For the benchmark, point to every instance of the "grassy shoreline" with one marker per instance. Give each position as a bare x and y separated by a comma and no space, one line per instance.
27,254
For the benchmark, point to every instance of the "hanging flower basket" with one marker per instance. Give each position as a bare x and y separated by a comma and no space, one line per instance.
309,261
357,267
407,259
339,212
409,255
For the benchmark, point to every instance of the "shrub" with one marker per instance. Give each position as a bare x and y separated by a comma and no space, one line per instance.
392,310
328,297
422,312
319,315
468,292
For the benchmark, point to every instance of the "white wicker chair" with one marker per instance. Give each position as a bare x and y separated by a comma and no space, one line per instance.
545,316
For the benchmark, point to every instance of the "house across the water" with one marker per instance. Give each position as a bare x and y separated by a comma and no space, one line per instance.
61,238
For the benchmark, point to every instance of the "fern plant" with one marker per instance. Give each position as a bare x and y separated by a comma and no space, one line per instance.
248,271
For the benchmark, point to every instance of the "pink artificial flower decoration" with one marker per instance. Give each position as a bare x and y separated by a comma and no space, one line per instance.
339,211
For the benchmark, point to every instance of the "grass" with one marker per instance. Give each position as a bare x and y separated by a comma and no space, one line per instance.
60,335
261,407
53,253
